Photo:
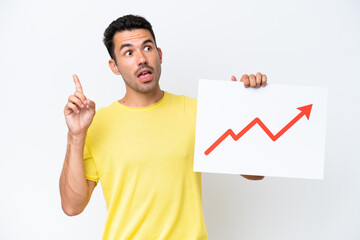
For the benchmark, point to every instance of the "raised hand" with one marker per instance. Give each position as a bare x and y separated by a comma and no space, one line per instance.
252,80
79,111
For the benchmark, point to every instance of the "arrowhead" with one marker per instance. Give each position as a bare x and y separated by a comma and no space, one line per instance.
306,110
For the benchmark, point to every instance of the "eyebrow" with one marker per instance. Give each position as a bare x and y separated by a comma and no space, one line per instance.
130,45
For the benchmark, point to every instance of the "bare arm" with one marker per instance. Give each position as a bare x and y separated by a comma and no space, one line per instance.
75,189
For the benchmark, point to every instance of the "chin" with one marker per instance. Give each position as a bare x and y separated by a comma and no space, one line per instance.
146,89
142,87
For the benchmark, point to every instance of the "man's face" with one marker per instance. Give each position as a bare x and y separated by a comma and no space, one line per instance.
138,60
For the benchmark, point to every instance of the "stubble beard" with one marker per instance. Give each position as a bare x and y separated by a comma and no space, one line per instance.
132,83
142,87
147,87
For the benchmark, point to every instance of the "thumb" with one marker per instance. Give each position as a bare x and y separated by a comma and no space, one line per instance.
233,78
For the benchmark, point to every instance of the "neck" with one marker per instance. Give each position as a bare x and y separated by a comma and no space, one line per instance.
137,99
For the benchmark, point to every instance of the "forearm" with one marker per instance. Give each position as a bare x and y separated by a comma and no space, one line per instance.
73,185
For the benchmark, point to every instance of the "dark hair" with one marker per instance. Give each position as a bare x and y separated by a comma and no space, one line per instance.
127,22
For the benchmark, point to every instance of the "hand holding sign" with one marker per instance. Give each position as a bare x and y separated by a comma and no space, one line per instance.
79,111
252,80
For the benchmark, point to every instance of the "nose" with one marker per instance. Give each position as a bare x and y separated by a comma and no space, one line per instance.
141,58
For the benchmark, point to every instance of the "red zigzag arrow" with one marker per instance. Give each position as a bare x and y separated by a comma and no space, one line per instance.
305,110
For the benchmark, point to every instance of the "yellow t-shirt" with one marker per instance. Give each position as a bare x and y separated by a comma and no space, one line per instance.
143,158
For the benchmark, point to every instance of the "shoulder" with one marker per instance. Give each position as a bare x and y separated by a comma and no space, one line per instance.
103,113
188,103
102,116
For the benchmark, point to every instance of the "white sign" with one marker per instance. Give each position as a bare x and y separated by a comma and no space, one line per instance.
277,130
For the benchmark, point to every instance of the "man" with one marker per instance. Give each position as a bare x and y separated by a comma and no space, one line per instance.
141,147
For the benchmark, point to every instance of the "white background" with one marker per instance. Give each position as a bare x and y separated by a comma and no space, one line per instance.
42,43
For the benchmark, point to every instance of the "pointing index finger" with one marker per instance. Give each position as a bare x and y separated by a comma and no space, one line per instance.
77,83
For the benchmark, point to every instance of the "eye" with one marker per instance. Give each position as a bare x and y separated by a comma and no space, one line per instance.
147,48
128,53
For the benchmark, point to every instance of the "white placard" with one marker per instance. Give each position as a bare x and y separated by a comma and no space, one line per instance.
270,134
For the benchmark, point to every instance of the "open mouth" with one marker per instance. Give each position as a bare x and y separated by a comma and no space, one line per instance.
145,75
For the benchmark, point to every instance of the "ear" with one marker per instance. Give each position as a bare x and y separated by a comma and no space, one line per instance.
160,54
113,67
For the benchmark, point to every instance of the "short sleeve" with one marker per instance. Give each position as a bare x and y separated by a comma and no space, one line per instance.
91,172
